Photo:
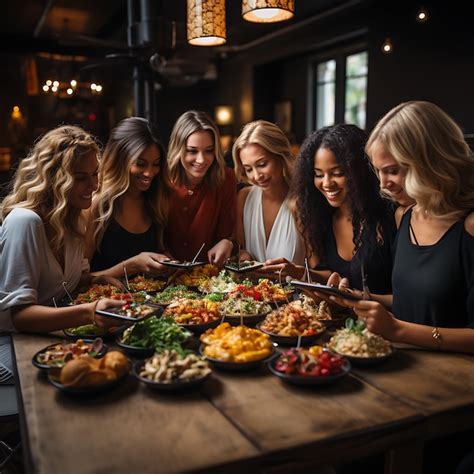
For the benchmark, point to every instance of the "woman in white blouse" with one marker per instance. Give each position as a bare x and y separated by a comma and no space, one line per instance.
266,228
42,235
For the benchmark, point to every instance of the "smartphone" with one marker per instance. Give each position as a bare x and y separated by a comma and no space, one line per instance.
326,289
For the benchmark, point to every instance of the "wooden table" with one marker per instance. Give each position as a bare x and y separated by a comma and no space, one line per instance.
246,421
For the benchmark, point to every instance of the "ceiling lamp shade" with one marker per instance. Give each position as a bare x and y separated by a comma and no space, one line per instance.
206,22
267,11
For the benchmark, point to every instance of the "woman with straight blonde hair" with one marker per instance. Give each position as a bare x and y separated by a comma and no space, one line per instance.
130,208
202,207
433,274
266,228
42,235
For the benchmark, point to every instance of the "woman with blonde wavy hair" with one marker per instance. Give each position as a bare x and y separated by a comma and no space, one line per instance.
130,208
42,235
202,207
265,228
433,274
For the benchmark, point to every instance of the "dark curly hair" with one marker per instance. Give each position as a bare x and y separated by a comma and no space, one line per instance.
314,213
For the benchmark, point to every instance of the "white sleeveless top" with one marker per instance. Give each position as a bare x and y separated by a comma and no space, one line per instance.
284,239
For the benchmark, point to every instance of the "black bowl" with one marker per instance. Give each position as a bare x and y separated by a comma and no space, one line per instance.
53,379
291,340
307,380
167,387
134,351
248,320
197,329
357,360
38,364
236,366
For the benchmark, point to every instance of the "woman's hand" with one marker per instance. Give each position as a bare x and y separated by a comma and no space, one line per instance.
282,267
146,262
218,254
104,321
244,255
376,317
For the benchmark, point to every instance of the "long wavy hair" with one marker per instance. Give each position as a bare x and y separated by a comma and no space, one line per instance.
430,146
188,123
272,139
127,142
45,178
314,213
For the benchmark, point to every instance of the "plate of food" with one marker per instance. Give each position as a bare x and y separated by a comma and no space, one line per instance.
173,293
236,348
292,322
221,283
171,371
244,310
181,264
132,311
143,283
194,315
86,375
313,366
243,266
56,355
359,345
152,335
91,331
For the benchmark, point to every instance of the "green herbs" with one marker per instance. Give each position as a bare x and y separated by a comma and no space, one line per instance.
161,334
355,326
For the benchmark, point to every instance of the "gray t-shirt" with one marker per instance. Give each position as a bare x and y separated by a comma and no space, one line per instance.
29,271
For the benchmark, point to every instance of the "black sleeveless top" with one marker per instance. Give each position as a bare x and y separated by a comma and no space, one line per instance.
377,259
433,284
118,244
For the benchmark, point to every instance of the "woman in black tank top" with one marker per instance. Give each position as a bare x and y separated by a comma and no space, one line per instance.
130,208
419,151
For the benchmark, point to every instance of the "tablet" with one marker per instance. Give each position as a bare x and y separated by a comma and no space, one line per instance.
326,289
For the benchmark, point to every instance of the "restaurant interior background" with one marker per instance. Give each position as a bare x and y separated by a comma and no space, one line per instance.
326,64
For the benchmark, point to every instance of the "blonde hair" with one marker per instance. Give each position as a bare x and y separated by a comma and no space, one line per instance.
127,142
187,124
439,164
45,178
272,139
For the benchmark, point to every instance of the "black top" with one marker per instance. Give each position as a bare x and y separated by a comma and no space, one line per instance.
433,284
376,256
118,244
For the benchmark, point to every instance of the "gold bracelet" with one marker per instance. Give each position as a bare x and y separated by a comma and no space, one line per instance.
437,336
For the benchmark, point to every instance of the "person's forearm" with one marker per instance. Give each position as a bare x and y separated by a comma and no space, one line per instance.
446,339
37,318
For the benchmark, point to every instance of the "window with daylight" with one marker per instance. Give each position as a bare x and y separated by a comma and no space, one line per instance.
341,90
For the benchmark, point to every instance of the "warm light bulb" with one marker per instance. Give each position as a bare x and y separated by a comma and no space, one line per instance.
207,41
69,91
49,82
54,89
73,83
16,109
93,86
421,15
56,84
46,88
98,88
387,46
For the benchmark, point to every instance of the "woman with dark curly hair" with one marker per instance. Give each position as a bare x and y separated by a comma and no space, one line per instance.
343,218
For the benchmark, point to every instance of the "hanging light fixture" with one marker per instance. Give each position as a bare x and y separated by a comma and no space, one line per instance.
206,22
267,11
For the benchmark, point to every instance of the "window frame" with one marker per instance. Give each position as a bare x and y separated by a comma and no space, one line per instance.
340,56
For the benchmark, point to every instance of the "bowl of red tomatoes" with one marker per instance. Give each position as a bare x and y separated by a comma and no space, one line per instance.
309,366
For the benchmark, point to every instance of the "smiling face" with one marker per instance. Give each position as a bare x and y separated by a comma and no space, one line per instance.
329,177
145,169
391,174
261,167
86,179
199,156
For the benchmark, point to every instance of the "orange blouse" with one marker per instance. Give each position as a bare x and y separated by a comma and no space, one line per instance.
202,215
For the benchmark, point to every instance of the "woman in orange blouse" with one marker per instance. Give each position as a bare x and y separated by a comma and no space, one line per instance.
202,207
